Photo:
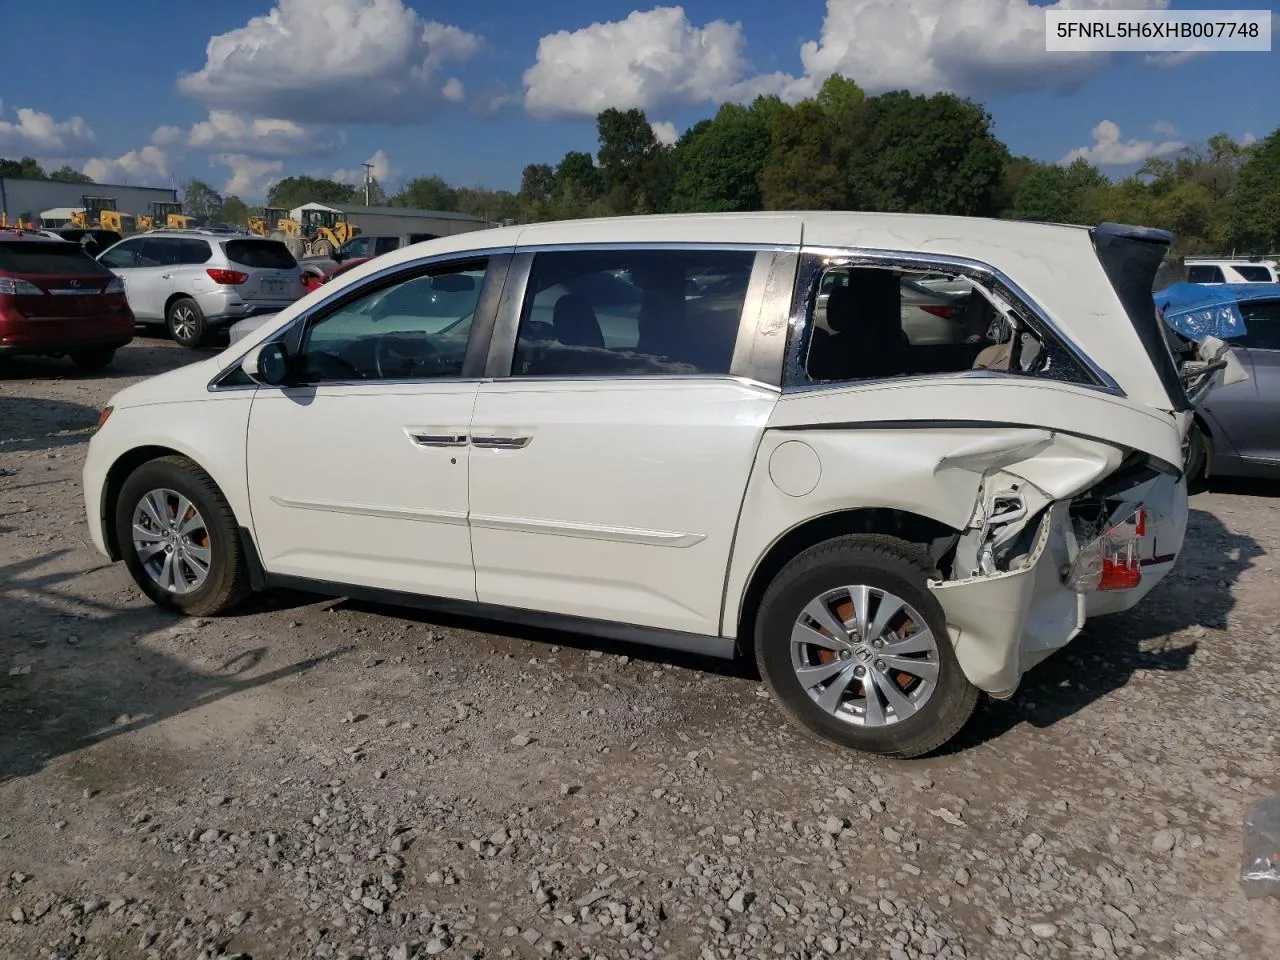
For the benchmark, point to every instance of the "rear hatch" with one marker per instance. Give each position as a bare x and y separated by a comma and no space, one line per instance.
272,271
1132,258
54,280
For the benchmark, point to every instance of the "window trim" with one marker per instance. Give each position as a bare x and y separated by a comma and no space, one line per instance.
814,260
477,345
744,364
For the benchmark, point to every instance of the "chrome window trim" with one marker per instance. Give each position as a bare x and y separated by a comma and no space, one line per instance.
816,259
596,246
292,328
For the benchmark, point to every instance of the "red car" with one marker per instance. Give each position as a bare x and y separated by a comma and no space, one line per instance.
313,279
56,300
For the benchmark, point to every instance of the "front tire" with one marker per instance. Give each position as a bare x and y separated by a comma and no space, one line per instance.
321,248
179,538
93,361
185,321
855,648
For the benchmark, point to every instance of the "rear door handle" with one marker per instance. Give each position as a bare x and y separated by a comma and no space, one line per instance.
439,439
501,443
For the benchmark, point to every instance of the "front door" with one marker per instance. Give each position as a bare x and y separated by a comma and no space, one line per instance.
138,263
608,470
1259,427
358,471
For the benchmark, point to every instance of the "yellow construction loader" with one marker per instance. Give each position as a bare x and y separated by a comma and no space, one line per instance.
101,212
166,213
325,231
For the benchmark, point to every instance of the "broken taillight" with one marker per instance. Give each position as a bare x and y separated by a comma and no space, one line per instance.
1112,560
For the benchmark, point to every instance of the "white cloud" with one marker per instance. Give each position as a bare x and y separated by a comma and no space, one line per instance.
147,166
651,59
665,131
1164,128
1176,58
979,47
36,132
168,136
233,133
251,177
382,171
358,61
453,90
1248,140
1109,150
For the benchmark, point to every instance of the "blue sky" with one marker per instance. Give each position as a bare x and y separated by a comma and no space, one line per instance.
430,87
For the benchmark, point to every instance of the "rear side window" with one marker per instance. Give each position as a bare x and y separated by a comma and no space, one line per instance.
269,254
632,312
48,259
192,251
383,245
1204,273
1254,274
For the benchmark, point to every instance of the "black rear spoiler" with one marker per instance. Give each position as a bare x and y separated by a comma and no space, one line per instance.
1131,257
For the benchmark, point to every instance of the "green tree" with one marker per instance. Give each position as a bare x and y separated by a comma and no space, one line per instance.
802,172
1013,175
717,163
234,210
66,174
577,173
1254,213
1071,194
495,205
928,155
26,168
633,164
425,193
293,192
537,186
201,201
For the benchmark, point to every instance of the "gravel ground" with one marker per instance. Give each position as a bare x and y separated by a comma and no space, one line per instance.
319,778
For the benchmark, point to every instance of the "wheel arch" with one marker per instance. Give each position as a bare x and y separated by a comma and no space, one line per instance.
933,535
174,298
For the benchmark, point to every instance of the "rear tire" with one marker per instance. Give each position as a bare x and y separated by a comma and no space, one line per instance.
206,572
93,361
1199,448
921,696
186,323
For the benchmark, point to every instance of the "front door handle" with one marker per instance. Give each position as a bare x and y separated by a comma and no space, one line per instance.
501,443
166,276
439,439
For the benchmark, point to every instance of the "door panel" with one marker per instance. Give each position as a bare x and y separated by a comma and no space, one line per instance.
614,500
357,484
360,475
1231,408
1263,426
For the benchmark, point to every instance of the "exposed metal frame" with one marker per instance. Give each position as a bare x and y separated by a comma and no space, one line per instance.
817,259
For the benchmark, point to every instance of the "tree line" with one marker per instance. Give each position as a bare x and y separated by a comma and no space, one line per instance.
840,150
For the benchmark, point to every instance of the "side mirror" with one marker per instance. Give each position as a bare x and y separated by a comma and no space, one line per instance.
267,363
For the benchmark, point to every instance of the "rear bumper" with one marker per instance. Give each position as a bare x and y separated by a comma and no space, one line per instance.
43,337
1004,624
223,308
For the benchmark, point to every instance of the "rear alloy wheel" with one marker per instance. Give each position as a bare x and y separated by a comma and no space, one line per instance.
855,647
180,539
93,361
186,323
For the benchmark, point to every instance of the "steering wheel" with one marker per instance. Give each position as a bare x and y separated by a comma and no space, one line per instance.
384,350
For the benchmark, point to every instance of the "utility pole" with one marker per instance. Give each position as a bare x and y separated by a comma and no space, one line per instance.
368,180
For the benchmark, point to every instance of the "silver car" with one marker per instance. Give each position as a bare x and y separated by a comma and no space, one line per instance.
198,281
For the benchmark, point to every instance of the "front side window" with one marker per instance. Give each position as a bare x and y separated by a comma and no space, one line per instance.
872,323
631,313
123,256
357,247
1262,321
1204,273
411,329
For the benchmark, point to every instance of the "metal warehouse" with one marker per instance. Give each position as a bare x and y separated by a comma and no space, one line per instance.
383,221
25,199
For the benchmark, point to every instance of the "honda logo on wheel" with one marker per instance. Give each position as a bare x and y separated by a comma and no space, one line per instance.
73,283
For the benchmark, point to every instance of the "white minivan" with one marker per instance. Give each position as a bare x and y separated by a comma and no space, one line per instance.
638,428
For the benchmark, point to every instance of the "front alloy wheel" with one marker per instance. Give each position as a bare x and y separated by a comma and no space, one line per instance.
171,541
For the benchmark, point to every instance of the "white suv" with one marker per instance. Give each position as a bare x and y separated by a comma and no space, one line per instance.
1200,270
197,281
637,428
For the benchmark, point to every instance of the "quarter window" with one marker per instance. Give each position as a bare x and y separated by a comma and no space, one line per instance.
415,328
633,312
870,323
1254,274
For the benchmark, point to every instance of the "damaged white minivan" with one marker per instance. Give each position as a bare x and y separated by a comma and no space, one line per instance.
897,459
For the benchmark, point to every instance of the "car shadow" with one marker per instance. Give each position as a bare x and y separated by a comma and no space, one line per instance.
29,423
145,356
1111,649
73,672
1245,486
